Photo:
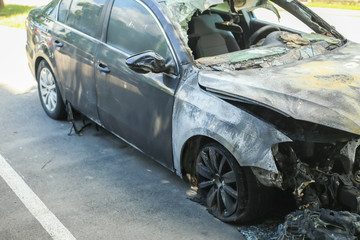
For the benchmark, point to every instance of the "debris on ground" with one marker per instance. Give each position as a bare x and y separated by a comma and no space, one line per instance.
265,231
320,224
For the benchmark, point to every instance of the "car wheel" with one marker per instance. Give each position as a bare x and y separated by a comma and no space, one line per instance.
49,93
230,192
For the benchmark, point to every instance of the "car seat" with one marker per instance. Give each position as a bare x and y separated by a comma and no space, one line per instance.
206,40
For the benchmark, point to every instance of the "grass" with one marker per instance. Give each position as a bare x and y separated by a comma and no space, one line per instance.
14,15
338,6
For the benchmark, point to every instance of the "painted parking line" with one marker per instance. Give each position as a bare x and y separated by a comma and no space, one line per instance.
33,203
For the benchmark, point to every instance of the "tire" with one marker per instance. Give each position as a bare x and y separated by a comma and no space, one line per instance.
230,192
49,93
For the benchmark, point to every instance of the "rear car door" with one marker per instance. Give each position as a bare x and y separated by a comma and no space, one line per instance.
76,40
137,107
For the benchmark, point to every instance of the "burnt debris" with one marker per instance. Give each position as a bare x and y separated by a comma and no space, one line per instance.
322,224
321,175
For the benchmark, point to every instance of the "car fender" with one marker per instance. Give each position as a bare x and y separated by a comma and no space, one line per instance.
199,113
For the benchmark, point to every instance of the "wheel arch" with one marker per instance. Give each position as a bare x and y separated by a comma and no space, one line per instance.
42,56
255,192
44,52
37,63
191,147
188,154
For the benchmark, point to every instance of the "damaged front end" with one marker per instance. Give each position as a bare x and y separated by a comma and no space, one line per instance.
315,104
321,175
305,85
321,167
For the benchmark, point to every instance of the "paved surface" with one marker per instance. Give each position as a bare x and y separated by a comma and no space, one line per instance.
96,185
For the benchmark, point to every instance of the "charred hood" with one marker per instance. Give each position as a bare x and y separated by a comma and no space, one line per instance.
323,90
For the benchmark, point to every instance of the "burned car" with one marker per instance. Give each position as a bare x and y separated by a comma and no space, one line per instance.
234,104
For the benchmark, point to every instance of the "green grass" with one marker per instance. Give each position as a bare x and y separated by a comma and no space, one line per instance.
14,15
338,6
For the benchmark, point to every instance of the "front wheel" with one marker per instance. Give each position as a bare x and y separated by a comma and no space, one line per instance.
230,192
49,93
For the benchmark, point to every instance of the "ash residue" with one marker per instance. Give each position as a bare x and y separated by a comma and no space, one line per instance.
265,231
320,224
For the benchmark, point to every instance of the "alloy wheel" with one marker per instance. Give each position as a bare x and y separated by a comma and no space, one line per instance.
217,181
48,89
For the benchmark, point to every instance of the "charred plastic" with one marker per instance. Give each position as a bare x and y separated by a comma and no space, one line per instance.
321,167
321,175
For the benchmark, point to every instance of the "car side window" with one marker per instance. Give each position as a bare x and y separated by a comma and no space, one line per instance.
133,29
84,15
63,10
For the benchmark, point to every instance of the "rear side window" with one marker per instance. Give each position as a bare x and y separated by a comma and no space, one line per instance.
85,15
63,10
133,29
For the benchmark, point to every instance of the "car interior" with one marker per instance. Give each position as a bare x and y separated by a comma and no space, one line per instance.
216,32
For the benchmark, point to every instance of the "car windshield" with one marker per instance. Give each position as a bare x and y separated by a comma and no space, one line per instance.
247,34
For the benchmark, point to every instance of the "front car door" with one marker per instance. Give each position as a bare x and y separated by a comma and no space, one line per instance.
136,107
75,41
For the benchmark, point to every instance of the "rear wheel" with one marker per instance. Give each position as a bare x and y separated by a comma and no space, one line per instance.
49,93
230,192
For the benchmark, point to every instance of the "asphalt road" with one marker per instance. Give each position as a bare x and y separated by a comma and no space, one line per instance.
97,186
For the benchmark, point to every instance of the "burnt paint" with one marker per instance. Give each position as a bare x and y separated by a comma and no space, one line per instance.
199,113
322,90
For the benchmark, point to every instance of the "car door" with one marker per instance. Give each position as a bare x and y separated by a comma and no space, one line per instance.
137,107
75,41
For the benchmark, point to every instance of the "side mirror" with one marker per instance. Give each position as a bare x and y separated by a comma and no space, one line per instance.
149,61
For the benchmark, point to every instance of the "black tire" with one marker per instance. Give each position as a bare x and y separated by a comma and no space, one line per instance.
230,192
49,93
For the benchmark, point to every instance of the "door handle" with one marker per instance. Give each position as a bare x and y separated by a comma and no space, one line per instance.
103,68
58,44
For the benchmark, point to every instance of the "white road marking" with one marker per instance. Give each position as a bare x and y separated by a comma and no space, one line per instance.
33,203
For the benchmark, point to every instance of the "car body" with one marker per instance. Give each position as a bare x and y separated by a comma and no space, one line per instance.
231,103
